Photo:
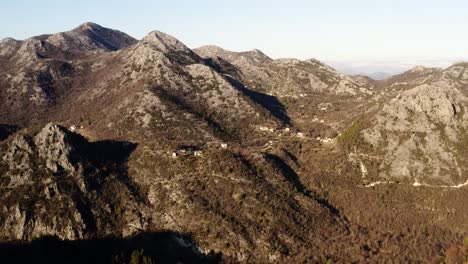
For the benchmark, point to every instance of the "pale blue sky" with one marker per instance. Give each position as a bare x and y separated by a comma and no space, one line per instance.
329,30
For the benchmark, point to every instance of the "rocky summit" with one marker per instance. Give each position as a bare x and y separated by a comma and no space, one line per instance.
113,148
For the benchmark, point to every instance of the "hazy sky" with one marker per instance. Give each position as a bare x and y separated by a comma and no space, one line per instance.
339,31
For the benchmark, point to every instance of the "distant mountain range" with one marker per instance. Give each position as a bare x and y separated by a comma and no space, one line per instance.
162,152
378,75
381,69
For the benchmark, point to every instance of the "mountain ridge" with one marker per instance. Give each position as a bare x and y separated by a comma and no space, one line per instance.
258,159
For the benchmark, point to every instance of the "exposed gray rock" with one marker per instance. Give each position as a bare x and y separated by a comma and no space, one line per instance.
54,149
45,190
8,46
19,158
170,46
91,37
420,133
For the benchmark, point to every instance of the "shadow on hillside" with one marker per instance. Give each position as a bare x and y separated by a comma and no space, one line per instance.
7,130
111,157
110,154
223,66
161,247
100,176
292,177
288,172
105,172
269,102
179,101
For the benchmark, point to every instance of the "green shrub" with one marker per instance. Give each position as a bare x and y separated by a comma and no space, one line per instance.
351,136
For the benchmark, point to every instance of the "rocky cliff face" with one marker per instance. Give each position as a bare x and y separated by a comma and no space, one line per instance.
420,134
52,185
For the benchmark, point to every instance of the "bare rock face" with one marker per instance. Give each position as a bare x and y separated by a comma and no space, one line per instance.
8,46
19,157
37,187
421,133
54,148
48,183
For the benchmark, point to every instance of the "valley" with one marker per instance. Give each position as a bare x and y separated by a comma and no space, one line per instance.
209,155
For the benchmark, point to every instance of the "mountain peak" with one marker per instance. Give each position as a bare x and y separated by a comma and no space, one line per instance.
259,52
164,42
170,46
257,55
88,26
418,68
212,48
91,36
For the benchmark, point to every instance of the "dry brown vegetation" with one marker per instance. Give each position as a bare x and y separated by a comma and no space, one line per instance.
251,157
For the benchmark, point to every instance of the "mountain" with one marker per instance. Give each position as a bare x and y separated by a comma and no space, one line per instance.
162,95
37,72
122,148
284,77
412,77
90,37
51,181
420,134
379,75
